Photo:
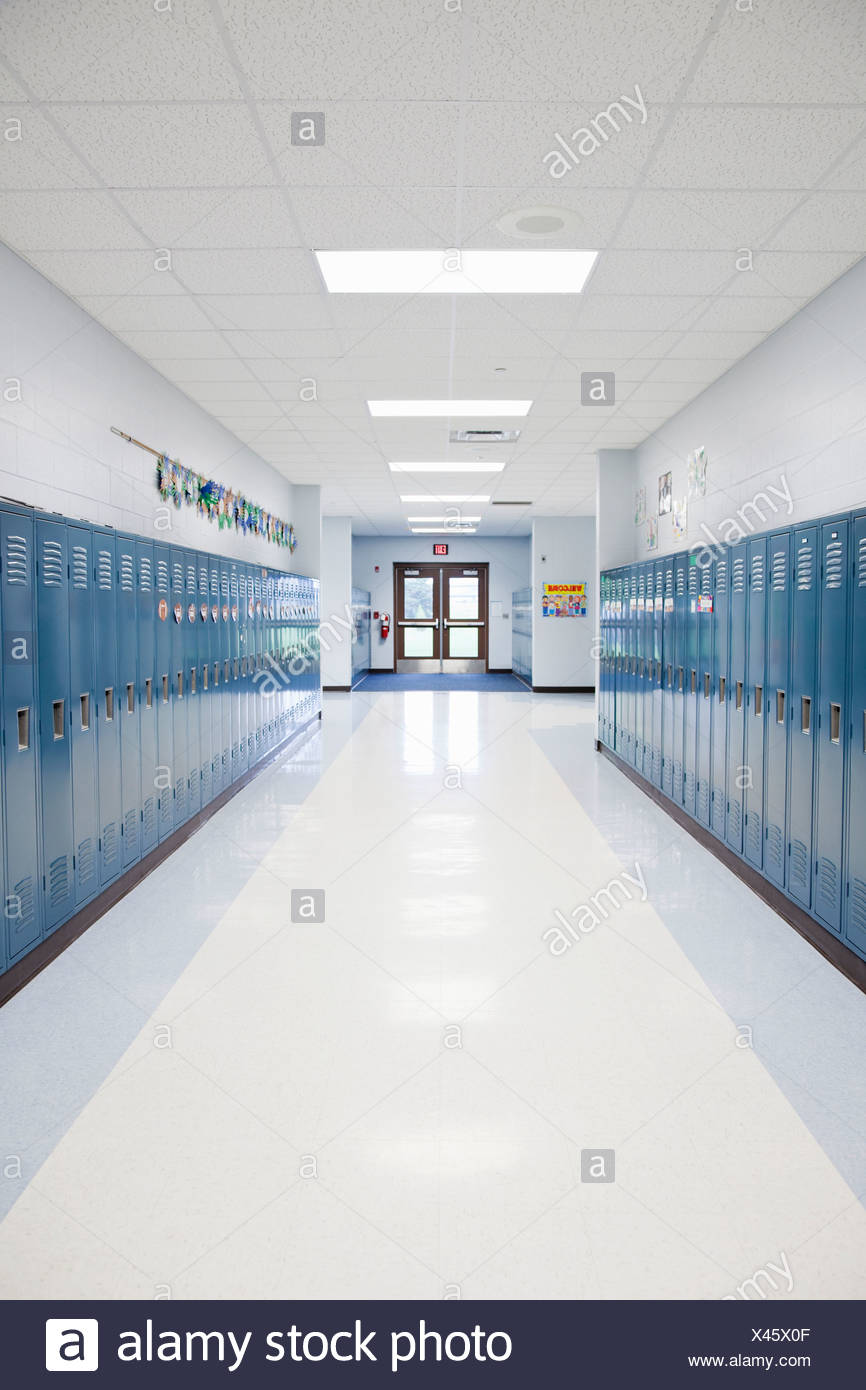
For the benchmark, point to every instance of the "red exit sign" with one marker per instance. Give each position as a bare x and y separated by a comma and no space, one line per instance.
440,549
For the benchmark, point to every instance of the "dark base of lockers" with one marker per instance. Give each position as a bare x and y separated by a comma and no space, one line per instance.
851,966
17,976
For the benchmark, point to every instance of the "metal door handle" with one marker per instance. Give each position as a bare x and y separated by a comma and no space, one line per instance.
418,622
463,622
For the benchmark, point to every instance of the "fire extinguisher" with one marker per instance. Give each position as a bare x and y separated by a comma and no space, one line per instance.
385,626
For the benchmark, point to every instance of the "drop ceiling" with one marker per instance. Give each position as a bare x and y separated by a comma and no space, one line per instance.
166,124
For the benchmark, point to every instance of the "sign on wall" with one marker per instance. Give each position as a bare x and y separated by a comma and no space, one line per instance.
563,601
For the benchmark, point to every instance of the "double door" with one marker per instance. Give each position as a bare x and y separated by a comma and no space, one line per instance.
440,618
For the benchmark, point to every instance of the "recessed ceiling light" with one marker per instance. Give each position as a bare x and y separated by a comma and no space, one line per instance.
455,525
443,530
472,466
445,497
447,409
462,271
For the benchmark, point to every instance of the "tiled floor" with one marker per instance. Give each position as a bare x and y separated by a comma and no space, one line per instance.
201,1098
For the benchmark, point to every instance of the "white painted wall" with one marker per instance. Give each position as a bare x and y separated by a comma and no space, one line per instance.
791,415
57,451
336,599
508,558
564,552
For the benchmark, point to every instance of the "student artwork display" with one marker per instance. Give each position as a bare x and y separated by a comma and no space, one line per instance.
697,472
640,506
563,601
652,533
666,487
679,517
184,487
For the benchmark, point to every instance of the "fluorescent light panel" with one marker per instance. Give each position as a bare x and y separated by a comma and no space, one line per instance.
444,497
464,521
444,530
456,272
471,466
429,410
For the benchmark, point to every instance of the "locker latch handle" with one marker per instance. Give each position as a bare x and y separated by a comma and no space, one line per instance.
693,682
759,701
148,692
85,713
806,714
680,678
59,719
780,706
180,685
722,689
130,698
23,729
165,690
109,703
739,695
835,722
707,685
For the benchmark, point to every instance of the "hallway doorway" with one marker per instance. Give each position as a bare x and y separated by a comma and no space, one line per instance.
441,619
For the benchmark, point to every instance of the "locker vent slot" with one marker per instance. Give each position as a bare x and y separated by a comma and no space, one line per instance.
693,579
707,685
86,860
828,885
130,698
774,845
806,714
16,560
214,583
85,712
202,580
23,729
805,567
738,579
759,701
145,574
857,908
681,582
177,577
148,692
758,572
722,686
22,895
234,586
127,574
779,576
58,880
52,564
104,576
224,585
739,696
180,685
861,563
59,718
162,576
721,575
148,818
80,567
130,827
190,579
833,565
110,844
780,706
835,722
165,690
193,673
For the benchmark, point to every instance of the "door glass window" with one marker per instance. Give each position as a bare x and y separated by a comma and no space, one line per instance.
463,596
463,641
418,597
418,641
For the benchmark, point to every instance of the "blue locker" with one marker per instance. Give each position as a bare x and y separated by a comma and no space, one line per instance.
55,764
203,626
164,685
216,690
642,723
832,712
669,626
803,718
619,671
107,706
690,693
192,686
777,698
244,650
128,702
235,665
179,701
22,881
657,673
223,662
736,770
258,639
719,716
705,570
755,719
680,625
855,898
147,704
83,700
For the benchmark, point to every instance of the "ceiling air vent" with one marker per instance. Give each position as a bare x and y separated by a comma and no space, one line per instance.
484,436
511,504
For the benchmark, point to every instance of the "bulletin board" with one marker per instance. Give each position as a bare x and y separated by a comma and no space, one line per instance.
563,601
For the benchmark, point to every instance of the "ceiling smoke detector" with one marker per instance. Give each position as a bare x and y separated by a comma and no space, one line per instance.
535,224
484,436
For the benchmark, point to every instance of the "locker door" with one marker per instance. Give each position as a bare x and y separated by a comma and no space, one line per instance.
243,686
216,688
777,699
681,622
643,761
192,691
737,695
23,902
108,706
82,690
832,714
150,779
203,626
179,678
657,655
316,667
223,662
690,690
619,694
52,602
669,647
721,681
127,699
756,704
258,629
855,906
804,718
604,667
234,667
704,713
164,686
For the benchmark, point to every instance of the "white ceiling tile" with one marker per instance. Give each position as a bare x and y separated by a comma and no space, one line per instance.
741,314
214,217
244,271
65,220
164,312
711,220
827,221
